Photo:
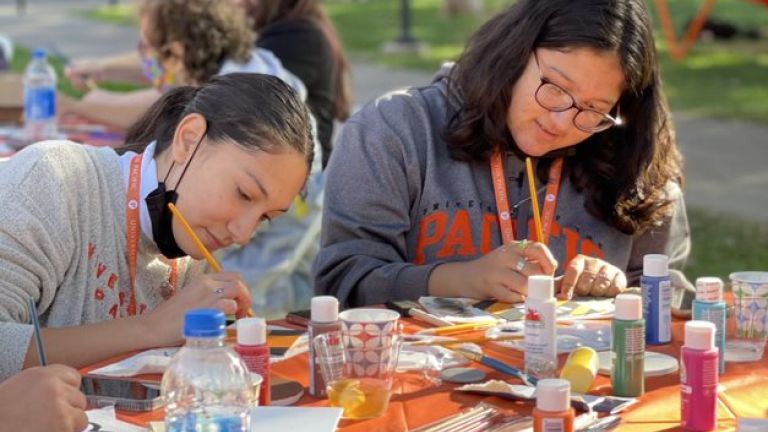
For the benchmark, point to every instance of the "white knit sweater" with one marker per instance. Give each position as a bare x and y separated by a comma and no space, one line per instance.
63,242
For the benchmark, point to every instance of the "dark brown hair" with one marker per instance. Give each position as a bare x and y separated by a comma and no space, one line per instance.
255,111
623,171
267,12
211,32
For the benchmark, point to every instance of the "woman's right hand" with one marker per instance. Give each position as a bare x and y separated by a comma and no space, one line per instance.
83,74
224,291
501,274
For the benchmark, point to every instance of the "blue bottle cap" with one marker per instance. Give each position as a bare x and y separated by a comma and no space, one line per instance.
204,323
39,53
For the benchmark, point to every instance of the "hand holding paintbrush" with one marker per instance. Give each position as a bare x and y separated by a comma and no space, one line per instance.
201,247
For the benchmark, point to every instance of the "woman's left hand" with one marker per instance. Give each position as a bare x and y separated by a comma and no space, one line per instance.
591,277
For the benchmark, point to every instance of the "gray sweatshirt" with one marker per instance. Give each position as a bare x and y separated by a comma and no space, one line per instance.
63,243
398,205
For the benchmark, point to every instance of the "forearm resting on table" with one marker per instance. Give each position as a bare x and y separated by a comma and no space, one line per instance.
87,344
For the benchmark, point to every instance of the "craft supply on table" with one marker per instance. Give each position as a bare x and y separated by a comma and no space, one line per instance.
654,364
463,375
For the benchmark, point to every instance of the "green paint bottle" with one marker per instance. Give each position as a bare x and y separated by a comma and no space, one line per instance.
628,352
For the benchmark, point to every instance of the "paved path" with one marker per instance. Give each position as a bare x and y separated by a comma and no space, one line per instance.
726,161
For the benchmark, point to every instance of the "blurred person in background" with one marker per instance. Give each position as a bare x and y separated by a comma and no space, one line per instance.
302,36
181,42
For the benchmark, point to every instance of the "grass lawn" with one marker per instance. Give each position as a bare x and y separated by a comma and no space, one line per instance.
722,79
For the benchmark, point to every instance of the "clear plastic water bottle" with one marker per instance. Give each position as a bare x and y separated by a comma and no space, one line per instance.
40,98
207,387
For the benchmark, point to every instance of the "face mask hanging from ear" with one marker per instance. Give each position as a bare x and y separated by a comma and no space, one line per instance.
162,217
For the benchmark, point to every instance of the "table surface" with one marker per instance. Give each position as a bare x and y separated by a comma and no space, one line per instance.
744,393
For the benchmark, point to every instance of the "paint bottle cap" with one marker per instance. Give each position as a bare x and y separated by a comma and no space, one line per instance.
580,369
541,287
709,289
324,309
655,265
251,331
553,395
699,335
629,307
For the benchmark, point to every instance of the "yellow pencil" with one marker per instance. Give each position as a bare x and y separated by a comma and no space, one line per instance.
534,200
478,339
459,327
200,246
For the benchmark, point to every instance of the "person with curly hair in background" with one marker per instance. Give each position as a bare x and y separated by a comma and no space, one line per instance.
420,177
181,42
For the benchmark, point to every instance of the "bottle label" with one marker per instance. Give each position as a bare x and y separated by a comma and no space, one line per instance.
634,342
553,425
716,316
40,103
665,311
657,310
540,341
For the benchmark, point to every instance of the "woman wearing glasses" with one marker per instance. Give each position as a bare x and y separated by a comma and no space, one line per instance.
431,195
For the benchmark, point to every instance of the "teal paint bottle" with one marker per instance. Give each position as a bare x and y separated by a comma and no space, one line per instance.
709,306
628,347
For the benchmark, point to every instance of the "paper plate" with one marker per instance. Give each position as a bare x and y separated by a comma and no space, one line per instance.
656,364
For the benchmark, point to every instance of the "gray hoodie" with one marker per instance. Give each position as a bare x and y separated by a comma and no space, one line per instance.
399,205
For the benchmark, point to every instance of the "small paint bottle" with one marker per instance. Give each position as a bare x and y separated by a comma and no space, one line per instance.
709,306
657,299
540,336
553,412
628,333
252,347
580,369
699,377
324,318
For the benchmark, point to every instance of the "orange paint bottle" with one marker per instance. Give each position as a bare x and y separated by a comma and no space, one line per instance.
553,412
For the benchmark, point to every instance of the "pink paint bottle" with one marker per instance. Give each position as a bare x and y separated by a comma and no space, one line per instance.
699,377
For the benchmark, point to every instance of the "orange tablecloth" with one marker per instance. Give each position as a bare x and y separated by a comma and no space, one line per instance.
744,394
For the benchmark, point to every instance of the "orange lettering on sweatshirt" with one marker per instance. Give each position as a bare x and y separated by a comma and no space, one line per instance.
459,238
436,223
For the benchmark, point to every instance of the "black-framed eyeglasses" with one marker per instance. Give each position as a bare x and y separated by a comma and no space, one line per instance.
554,98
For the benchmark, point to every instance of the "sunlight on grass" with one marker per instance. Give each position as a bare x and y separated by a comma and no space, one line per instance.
123,14
722,245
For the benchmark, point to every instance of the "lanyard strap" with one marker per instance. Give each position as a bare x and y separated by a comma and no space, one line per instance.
132,230
502,199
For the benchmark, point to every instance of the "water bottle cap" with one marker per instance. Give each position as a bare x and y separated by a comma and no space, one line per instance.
541,287
39,53
251,331
629,307
324,309
655,265
709,289
553,395
204,323
699,335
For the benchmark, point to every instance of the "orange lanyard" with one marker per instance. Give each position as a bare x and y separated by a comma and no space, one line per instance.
502,199
132,228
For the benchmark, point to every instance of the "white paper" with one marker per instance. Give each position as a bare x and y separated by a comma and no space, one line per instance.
104,419
146,362
305,419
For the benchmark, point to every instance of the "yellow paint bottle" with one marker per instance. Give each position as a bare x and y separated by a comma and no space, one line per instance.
580,369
